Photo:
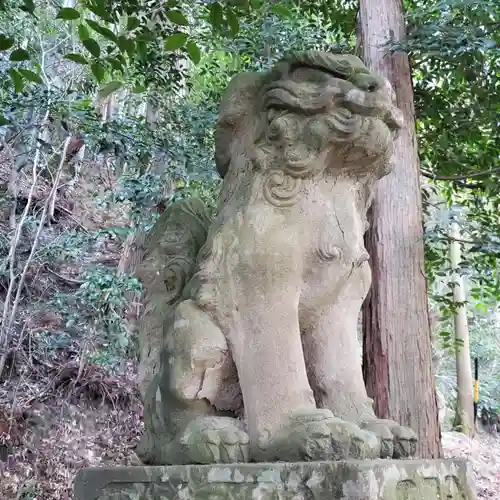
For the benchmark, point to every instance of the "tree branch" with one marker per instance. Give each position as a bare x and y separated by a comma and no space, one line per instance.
8,322
7,309
63,278
463,177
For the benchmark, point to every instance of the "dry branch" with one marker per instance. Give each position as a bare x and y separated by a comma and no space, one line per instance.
24,184
9,315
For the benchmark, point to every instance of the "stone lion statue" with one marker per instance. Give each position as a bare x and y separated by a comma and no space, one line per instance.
249,348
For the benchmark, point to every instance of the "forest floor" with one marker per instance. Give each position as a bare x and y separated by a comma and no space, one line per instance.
483,452
68,417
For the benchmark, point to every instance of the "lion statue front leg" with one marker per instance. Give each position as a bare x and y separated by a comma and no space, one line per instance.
333,360
181,426
264,284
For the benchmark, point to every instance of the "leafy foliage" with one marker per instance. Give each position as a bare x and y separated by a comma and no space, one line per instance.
455,49
97,311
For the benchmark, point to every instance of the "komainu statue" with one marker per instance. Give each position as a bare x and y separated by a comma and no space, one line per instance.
249,348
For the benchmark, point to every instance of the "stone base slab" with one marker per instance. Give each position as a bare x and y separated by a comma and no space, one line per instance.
354,480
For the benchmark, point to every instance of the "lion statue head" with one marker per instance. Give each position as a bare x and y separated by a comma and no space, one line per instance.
314,113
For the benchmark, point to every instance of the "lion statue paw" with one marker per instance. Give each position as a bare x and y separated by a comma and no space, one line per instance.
205,440
396,441
210,440
315,434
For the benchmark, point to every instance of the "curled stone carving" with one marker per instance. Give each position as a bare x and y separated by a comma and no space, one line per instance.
244,314
329,253
280,189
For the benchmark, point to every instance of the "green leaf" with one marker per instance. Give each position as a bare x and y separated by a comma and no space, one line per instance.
281,10
177,17
175,41
132,23
142,50
77,58
121,41
117,62
83,32
98,71
5,43
193,51
99,9
16,79
68,14
233,22
19,55
31,76
147,35
126,45
139,89
130,48
109,88
216,15
3,121
92,46
102,30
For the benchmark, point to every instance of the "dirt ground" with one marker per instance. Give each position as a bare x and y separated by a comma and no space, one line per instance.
483,451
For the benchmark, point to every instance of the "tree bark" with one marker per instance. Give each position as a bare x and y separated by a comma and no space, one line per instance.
397,353
464,415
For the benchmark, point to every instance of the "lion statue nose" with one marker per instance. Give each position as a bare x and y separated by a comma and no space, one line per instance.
377,104
394,119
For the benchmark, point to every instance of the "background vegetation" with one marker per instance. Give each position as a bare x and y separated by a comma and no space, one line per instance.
107,116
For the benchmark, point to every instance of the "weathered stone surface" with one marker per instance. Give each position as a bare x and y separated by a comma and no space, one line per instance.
349,480
249,345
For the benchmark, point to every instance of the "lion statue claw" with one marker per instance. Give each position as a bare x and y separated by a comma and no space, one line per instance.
248,342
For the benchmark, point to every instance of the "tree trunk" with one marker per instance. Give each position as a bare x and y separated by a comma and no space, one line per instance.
397,350
464,416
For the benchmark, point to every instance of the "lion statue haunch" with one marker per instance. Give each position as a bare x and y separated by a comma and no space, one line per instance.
249,335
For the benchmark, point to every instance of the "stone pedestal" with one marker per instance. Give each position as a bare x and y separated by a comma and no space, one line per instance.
353,480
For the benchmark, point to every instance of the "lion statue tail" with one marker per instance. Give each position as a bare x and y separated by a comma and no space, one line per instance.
171,250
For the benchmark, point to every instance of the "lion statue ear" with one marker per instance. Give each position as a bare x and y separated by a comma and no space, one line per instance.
237,113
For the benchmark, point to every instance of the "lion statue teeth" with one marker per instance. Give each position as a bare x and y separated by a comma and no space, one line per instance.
249,348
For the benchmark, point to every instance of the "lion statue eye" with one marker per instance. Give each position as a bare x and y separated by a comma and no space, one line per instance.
311,75
366,82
